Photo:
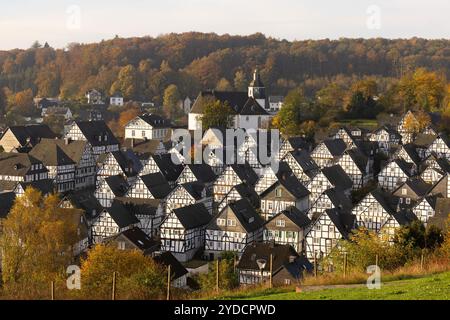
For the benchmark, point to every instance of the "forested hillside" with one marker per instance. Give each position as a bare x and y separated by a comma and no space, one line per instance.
142,68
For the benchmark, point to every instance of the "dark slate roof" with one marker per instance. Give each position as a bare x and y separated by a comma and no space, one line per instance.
17,164
157,184
168,168
339,199
335,146
195,189
246,214
202,172
359,158
406,167
246,173
121,215
305,161
44,186
386,200
92,130
168,259
249,193
7,201
252,107
424,140
295,187
343,221
193,216
299,143
118,185
389,129
156,121
146,207
295,215
32,133
404,217
296,267
418,186
84,200
410,149
51,154
236,100
337,177
139,238
73,149
280,256
8,185
127,160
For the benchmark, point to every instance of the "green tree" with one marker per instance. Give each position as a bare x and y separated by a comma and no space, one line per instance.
171,104
228,277
216,114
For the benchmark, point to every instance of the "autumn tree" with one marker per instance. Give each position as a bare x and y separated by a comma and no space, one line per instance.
171,104
224,85
228,277
331,96
126,83
216,114
138,276
37,240
23,102
240,81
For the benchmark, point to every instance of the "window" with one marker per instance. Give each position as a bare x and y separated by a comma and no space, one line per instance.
287,282
231,222
404,191
316,240
317,227
133,133
408,200
278,193
281,223
121,245
143,133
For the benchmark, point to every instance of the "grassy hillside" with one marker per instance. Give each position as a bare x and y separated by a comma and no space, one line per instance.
431,287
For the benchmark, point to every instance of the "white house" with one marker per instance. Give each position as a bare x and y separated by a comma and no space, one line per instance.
148,126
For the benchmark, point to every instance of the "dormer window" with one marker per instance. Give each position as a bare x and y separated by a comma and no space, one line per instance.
278,192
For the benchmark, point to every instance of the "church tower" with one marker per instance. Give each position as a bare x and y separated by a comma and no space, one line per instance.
257,90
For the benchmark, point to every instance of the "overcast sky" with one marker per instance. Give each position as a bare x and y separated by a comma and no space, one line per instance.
60,22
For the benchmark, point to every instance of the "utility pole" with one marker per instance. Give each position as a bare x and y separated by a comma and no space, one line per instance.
113,297
422,258
271,270
345,264
315,266
217,275
52,290
168,283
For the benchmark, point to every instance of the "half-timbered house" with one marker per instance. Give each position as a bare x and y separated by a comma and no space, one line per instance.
150,186
440,147
293,144
328,152
425,208
302,165
16,167
241,191
97,133
357,166
189,193
411,191
387,138
287,227
232,176
326,231
197,172
110,188
147,126
232,229
24,138
284,193
329,199
134,239
328,178
395,173
111,221
124,163
163,164
183,231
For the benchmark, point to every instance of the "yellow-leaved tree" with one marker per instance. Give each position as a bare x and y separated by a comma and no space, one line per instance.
137,276
37,242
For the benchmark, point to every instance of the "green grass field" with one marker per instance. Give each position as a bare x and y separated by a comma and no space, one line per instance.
432,287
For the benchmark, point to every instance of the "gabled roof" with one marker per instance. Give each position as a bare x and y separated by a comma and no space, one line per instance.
303,158
442,212
195,189
156,184
343,221
386,200
138,238
155,120
281,254
51,154
424,140
142,148
359,158
168,259
193,216
235,99
337,177
339,199
92,130
298,142
246,214
252,107
17,164
121,215
118,185
44,186
246,173
202,172
418,186
32,134
296,216
389,129
84,200
247,192
168,168
412,153
291,184
127,161
335,146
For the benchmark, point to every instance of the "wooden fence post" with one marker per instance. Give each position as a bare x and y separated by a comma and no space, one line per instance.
113,295
422,258
271,269
345,264
315,266
217,275
168,283
52,290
